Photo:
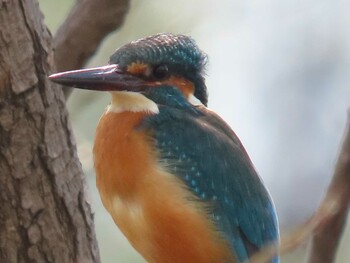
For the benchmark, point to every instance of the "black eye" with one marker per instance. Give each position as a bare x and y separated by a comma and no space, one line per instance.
161,72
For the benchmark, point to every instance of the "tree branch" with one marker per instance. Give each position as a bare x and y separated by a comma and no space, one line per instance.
328,233
326,225
87,24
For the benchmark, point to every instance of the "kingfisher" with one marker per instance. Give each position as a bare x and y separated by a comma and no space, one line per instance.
173,175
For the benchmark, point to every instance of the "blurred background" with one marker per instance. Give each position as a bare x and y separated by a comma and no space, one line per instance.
278,73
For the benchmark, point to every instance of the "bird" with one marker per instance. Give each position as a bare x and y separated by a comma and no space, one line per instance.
172,174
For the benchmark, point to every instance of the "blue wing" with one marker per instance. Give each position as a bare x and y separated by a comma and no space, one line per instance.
205,153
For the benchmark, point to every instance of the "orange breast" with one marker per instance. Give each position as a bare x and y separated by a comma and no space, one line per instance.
150,205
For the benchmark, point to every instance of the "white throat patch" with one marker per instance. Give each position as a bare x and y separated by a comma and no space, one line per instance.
131,101
194,101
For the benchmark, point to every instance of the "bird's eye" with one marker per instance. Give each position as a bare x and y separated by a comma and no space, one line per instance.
161,72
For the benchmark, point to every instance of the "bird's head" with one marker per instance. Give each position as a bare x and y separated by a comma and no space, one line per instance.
148,63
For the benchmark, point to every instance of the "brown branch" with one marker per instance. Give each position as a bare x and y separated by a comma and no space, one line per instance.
328,233
87,24
326,225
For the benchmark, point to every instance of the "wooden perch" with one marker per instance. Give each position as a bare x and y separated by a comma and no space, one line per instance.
87,24
326,226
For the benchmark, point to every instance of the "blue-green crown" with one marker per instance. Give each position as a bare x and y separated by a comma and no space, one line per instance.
179,52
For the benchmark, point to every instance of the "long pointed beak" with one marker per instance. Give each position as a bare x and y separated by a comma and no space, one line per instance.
106,78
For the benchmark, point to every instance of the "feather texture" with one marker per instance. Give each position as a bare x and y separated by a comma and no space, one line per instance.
199,148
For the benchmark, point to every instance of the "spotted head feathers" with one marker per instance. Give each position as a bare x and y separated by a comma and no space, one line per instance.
164,55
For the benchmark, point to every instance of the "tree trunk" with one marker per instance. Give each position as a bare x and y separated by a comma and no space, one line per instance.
45,216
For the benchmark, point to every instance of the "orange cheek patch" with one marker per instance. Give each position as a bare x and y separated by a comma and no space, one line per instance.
138,68
184,85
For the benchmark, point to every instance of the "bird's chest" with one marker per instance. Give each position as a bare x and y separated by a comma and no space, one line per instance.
151,206
122,157
121,153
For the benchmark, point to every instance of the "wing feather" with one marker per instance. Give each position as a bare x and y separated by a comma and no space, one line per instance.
204,152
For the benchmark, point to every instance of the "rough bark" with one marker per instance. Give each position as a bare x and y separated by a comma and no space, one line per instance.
87,24
45,216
